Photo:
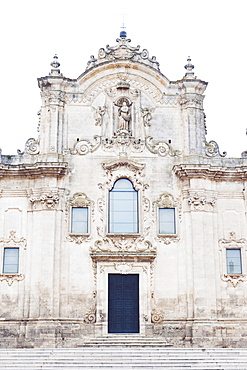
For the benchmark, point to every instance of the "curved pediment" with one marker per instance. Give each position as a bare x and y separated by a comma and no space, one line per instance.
116,80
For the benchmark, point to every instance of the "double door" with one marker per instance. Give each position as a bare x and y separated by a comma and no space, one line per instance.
123,303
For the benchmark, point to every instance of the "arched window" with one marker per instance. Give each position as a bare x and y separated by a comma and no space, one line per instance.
123,208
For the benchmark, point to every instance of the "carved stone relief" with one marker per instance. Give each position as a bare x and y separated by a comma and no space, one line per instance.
123,50
47,200
135,167
81,200
123,244
232,242
123,267
123,143
13,241
199,202
99,113
146,116
165,200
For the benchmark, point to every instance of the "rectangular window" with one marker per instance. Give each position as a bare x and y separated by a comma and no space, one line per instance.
79,220
233,261
11,261
167,224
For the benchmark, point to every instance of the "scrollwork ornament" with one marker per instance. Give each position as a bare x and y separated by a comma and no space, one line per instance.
90,317
32,146
84,147
212,149
157,317
123,244
161,148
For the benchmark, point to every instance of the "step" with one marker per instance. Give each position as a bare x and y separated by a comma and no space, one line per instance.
124,357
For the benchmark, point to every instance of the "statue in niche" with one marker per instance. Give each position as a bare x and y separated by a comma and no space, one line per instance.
124,113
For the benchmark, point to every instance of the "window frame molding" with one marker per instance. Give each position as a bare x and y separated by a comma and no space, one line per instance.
80,200
167,201
233,243
137,189
12,242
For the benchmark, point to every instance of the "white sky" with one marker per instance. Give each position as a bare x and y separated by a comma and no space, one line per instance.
213,33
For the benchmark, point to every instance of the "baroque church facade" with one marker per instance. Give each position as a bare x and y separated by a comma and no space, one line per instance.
120,218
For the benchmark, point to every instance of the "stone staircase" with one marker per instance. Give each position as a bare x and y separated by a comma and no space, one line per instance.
123,353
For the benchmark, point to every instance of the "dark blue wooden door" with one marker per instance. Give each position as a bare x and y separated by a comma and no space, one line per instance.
123,303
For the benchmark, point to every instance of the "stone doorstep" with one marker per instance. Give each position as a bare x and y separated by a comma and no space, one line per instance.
121,352
123,359
123,367
116,351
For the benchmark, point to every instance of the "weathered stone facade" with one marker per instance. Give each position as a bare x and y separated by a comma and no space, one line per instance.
122,119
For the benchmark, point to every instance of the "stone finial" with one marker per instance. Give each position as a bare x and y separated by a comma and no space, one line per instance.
55,71
189,68
123,33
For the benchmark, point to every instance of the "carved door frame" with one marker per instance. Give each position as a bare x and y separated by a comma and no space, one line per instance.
119,266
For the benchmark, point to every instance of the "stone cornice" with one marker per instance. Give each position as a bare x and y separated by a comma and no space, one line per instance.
127,257
124,162
217,173
33,170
